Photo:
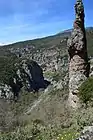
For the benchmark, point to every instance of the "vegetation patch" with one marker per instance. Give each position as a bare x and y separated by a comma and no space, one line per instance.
7,68
86,90
68,135
39,132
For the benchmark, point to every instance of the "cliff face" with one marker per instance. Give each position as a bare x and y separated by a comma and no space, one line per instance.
78,58
29,75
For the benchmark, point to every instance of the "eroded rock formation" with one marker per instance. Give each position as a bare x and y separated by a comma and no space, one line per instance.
78,58
29,75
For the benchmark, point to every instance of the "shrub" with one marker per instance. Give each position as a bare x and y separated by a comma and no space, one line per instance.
7,69
68,135
86,90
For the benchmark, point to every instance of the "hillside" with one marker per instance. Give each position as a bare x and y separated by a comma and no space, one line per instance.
54,41
43,115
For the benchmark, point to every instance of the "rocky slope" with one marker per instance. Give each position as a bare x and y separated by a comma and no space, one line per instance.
49,106
26,74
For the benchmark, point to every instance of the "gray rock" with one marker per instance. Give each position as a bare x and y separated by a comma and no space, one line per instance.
5,91
86,134
91,67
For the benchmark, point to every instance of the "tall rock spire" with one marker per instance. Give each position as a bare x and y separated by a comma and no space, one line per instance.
78,58
79,9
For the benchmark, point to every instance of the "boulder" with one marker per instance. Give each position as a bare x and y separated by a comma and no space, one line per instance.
86,134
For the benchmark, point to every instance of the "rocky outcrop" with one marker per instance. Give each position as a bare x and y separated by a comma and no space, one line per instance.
5,91
91,67
78,58
86,134
28,75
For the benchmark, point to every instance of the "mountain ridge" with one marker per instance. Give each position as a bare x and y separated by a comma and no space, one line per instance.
64,33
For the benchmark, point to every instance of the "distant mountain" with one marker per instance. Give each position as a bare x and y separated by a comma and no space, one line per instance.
89,28
2,44
53,40
66,32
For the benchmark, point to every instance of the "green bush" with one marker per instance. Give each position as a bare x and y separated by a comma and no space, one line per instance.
86,90
7,68
68,135
39,133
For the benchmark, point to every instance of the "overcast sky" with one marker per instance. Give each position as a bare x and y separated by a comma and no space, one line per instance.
28,19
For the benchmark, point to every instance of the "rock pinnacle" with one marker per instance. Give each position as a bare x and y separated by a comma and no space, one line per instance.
78,57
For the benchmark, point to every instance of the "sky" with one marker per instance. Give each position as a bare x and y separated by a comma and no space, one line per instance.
28,19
